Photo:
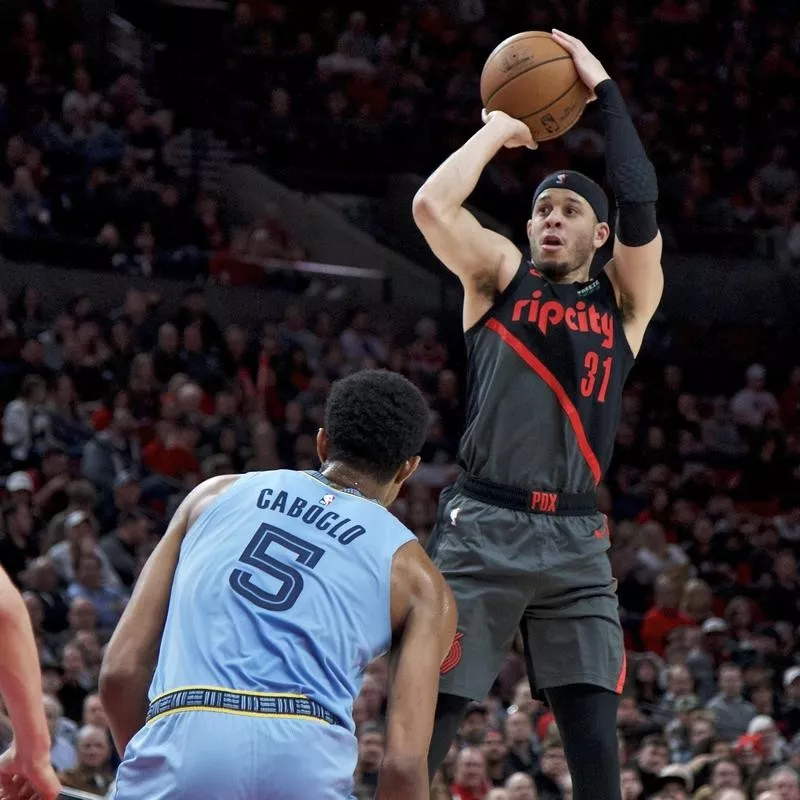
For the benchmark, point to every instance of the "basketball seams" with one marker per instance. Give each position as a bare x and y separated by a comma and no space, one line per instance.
524,72
552,102
503,95
522,37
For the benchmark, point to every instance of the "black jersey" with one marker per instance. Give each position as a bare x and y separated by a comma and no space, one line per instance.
547,365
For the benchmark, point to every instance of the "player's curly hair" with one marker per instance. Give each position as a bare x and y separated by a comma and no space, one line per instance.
375,420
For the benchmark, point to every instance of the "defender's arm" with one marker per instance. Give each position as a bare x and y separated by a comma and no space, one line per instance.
424,613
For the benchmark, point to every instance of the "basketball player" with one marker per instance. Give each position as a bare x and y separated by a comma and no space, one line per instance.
519,537
274,590
25,768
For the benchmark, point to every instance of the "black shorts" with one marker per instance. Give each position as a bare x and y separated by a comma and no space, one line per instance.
546,575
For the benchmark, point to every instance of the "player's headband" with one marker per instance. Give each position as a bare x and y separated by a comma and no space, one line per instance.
580,184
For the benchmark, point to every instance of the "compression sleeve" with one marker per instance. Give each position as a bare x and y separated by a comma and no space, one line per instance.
630,172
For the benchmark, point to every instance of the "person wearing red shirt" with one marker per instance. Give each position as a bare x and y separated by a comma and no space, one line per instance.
664,617
471,781
173,455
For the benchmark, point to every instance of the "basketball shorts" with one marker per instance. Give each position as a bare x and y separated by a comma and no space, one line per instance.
547,575
202,755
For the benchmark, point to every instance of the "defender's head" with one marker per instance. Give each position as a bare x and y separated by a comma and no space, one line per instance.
375,423
569,222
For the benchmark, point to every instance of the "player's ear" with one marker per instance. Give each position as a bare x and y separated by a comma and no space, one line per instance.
601,234
322,445
407,470
529,226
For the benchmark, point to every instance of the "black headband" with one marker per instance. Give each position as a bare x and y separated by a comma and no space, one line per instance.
580,184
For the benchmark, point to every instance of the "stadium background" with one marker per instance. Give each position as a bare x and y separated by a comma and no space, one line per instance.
205,219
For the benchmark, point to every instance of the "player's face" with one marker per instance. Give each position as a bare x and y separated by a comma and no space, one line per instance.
564,234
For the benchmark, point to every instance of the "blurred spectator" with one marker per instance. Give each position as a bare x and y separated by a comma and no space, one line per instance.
121,546
80,538
359,342
731,711
663,617
552,772
112,452
108,601
371,742
23,420
470,781
752,404
495,752
656,555
93,770
18,545
520,786
62,735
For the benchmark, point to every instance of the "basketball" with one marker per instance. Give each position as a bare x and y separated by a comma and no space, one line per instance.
532,78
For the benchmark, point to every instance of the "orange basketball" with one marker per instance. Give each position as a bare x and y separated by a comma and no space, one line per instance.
532,78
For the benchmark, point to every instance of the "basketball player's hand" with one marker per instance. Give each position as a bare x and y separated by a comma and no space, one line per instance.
518,134
27,779
588,66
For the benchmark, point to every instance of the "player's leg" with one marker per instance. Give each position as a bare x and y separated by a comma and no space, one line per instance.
586,716
450,710
491,592
575,653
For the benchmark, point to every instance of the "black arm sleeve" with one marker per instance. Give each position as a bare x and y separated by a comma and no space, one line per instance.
630,172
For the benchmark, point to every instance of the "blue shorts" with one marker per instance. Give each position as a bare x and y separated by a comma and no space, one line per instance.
208,755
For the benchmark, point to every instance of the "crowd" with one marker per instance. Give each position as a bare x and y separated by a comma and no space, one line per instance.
326,94
91,159
709,83
112,415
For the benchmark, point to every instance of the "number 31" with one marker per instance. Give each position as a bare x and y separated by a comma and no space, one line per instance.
592,365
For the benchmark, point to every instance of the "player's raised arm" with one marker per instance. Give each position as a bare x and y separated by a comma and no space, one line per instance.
424,616
636,267
27,762
131,655
457,239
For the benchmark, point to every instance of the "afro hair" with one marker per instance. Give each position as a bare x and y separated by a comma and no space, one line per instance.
375,420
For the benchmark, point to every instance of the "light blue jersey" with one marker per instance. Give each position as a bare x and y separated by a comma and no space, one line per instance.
281,598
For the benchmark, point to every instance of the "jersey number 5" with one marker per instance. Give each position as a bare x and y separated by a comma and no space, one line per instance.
255,555
588,382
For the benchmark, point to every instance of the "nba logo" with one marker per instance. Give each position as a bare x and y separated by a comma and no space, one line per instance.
454,516
561,178
327,499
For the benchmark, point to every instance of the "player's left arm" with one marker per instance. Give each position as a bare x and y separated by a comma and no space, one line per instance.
635,269
26,764
132,653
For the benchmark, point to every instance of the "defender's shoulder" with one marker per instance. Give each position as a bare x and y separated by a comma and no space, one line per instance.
202,496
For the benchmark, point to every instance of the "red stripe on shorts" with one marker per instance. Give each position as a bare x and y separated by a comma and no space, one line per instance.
567,406
623,672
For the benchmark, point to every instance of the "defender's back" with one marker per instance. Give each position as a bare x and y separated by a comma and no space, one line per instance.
282,587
